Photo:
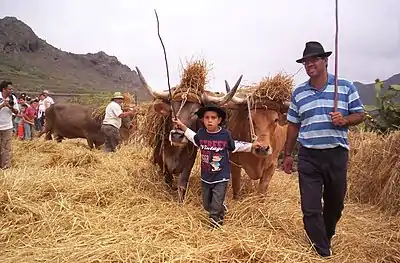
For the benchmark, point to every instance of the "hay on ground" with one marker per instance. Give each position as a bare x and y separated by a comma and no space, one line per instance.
118,210
374,171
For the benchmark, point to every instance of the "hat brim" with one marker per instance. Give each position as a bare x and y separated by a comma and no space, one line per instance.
325,55
220,112
118,97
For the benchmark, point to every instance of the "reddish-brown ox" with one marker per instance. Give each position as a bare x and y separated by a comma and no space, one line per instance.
174,154
71,120
270,127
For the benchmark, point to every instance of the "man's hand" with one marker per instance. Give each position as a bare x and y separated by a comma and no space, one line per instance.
288,164
338,119
179,124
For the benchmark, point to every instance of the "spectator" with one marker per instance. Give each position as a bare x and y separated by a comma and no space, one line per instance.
48,101
28,119
8,106
41,110
35,106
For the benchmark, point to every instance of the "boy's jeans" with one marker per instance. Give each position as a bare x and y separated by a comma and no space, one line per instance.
213,200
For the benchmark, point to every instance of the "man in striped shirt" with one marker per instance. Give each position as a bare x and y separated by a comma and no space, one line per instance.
323,153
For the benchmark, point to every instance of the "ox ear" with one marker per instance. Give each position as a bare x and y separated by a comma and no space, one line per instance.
162,108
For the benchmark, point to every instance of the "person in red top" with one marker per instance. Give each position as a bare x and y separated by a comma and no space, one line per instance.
28,118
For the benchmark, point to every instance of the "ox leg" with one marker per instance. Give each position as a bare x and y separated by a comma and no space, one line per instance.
266,179
236,180
184,178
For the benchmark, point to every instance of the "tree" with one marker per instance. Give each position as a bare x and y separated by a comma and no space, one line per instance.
384,116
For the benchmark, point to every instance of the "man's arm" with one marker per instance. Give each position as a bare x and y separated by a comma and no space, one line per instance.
356,107
291,137
294,123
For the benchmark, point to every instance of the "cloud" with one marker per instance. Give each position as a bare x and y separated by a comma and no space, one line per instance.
255,39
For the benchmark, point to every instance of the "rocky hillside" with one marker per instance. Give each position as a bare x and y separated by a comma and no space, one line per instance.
33,65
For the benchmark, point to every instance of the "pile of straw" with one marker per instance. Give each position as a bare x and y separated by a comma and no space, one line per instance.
151,126
115,208
277,88
374,171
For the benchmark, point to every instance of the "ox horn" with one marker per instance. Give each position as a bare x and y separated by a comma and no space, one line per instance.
153,93
224,99
235,100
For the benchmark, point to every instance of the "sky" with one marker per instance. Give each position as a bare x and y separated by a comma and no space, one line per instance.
254,38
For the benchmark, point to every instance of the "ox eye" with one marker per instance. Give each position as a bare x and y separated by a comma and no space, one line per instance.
276,120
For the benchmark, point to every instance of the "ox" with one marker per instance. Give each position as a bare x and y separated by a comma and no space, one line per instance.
270,127
71,120
174,154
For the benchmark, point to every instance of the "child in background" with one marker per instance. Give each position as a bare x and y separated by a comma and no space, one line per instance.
215,143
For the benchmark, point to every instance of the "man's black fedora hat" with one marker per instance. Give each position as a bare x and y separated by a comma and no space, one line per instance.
313,49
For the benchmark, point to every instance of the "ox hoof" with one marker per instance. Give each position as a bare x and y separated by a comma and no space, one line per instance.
181,194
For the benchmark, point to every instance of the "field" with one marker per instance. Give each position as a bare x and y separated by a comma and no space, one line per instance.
65,203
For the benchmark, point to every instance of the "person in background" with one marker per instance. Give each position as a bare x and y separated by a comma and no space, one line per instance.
35,106
47,101
41,111
8,106
112,122
28,118
324,147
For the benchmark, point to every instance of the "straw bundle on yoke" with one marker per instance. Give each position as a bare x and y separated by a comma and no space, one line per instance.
277,89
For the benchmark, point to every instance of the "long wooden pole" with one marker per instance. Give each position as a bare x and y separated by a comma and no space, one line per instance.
336,58
166,63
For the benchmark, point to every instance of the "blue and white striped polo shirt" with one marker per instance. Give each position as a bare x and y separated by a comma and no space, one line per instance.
311,107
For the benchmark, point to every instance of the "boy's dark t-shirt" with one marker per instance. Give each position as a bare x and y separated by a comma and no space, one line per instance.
214,148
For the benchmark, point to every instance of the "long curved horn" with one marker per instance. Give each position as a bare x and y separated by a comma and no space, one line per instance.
154,94
238,100
224,99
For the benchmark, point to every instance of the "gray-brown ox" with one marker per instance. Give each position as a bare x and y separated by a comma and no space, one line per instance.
71,120
174,154
269,122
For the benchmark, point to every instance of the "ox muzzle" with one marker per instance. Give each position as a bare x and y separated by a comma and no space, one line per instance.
177,138
262,151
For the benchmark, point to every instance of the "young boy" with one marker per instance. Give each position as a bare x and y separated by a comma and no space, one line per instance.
215,143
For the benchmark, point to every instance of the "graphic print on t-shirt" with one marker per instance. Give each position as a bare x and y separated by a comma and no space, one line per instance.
216,162
211,160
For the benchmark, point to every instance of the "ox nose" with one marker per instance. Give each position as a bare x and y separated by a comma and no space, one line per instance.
177,136
262,150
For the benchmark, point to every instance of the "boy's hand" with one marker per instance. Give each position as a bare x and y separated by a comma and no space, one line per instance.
255,145
179,124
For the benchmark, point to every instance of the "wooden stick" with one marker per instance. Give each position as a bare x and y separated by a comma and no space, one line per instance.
336,59
166,63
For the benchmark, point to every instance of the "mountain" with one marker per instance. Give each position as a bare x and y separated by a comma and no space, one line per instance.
367,91
33,65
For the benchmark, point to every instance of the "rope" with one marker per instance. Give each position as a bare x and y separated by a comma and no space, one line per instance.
252,132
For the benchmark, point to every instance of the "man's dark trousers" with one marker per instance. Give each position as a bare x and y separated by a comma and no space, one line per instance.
322,173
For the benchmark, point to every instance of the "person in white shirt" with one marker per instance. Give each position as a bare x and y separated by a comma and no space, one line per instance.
41,111
112,122
48,101
8,107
